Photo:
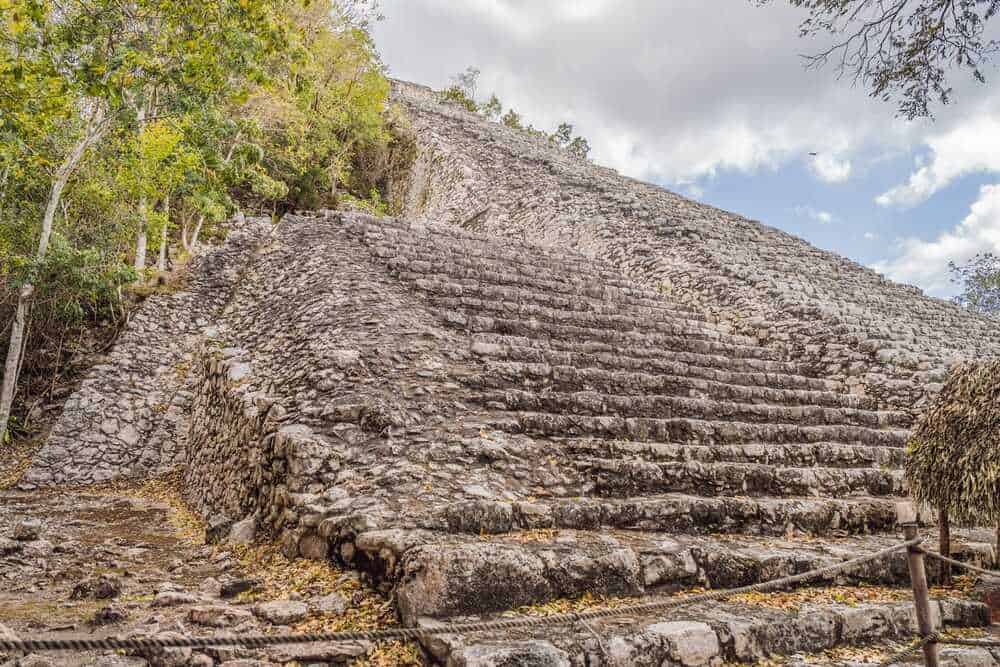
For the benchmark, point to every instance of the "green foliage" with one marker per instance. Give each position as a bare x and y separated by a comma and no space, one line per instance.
456,95
980,281
953,460
492,108
191,110
321,108
512,119
903,49
463,93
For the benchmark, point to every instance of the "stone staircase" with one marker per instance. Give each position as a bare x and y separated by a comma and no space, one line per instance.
840,320
512,425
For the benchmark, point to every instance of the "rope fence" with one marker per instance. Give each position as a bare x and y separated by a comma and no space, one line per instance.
989,574
927,641
256,641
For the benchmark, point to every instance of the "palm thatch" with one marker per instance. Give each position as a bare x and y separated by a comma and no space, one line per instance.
954,455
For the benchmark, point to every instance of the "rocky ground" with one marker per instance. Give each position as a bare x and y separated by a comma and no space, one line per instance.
131,560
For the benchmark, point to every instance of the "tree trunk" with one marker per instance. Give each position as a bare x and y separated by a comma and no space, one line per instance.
13,363
197,230
944,545
140,239
996,549
161,264
185,224
15,347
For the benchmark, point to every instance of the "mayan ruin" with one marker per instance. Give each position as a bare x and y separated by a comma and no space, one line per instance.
528,395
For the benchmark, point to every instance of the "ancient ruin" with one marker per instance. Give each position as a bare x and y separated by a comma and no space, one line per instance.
542,380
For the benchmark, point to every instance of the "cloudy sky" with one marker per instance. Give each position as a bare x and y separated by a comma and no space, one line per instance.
710,98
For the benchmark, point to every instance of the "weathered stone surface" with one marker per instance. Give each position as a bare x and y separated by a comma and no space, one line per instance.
333,603
243,532
953,656
166,657
845,321
127,417
173,599
281,612
28,530
218,616
512,654
323,652
7,633
119,661
692,644
110,614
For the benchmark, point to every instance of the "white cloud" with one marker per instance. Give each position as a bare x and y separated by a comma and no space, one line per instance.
925,263
822,217
971,146
830,169
656,98
871,236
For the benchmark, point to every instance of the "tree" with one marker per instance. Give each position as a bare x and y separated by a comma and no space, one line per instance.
492,108
39,100
579,147
980,281
512,119
126,125
953,458
902,49
468,81
86,66
463,92
563,135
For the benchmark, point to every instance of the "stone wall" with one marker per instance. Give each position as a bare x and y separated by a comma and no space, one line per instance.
845,321
242,459
128,417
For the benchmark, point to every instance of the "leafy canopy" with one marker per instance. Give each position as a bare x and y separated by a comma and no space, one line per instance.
903,49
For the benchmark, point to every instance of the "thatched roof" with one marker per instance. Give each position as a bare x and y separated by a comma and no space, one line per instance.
954,455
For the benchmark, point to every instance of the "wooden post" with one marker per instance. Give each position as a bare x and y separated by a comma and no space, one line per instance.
910,521
944,545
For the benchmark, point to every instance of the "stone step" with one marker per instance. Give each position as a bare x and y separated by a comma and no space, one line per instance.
588,319
719,368
564,378
412,270
616,477
596,299
570,333
823,454
709,634
672,513
435,240
451,239
690,431
663,406
439,575
494,259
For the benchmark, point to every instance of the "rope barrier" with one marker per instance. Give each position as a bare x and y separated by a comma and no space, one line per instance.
917,645
257,641
936,638
992,574
984,643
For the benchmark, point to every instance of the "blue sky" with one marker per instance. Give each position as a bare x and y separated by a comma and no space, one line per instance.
716,104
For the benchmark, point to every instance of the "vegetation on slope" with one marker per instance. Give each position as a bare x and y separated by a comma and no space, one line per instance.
131,130
463,93
953,461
